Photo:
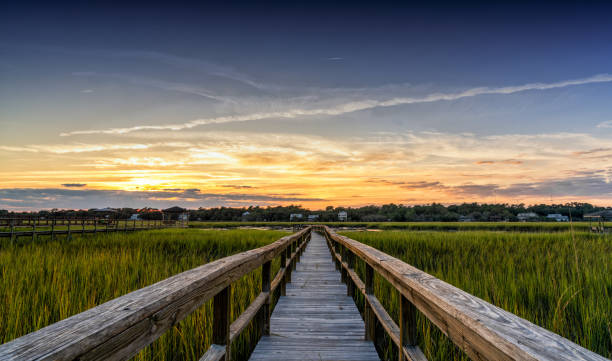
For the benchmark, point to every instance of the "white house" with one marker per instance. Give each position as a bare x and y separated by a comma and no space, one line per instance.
313,217
295,217
135,217
526,216
558,217
342,216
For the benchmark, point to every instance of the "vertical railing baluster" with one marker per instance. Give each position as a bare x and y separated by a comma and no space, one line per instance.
343,258
294,250
283,284
369,317
265,287
221,320
53,229
407,325
289,267
350,286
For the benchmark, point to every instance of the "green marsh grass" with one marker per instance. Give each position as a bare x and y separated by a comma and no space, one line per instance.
419,226
533,275
45,281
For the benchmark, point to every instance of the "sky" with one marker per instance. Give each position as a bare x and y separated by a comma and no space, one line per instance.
318,104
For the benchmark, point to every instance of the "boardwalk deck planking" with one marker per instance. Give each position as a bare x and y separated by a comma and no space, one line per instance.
316,320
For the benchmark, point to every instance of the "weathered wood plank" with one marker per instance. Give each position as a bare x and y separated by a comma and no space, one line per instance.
315,320
214,353
247,316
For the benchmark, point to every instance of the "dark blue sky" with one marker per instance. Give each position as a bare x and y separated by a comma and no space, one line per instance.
380,43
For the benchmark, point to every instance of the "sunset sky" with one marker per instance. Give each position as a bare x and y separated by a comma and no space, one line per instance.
317,105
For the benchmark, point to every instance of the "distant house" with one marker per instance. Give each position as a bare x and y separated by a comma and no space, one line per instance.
176,213
245,215
135,217
557,217
523,217
342,216
295,217
313,217
466,219
599,218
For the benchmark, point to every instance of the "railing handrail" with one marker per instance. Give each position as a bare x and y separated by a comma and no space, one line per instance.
121,327
480,329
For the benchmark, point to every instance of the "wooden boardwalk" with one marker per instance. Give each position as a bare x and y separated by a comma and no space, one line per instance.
316,320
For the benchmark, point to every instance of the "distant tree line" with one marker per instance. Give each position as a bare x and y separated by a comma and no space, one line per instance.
388,212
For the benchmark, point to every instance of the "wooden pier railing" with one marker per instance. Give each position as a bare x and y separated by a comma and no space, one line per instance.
118,329
14,228
482,330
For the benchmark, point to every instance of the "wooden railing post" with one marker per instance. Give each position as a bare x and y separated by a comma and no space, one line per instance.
294,250
350,285
342,259
53,229
221,320
265,287
283,284
335,248
369,317
407,325
289,267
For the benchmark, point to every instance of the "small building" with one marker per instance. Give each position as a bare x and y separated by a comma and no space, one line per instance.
293,217
466,219
342,216
597,220
557,217
313,217
135,217
181,215
524,217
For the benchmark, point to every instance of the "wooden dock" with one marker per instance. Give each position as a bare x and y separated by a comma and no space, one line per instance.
316,320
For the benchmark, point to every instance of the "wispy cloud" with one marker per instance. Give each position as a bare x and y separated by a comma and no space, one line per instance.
87,91
159,84
192,64
74,148
606,124
349,107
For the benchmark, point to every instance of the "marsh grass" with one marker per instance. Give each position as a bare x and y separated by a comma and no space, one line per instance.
533,275
419,226
45,281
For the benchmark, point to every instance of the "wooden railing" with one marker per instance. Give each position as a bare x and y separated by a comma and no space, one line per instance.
14,228
118,329
482,330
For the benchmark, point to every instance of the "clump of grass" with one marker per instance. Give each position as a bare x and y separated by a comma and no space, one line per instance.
45,281
533,275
